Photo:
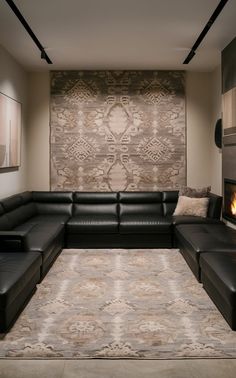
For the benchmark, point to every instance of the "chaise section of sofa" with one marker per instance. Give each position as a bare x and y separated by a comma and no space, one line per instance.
35,222
219,281
197,239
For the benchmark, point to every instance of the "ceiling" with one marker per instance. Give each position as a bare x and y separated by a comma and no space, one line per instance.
117,34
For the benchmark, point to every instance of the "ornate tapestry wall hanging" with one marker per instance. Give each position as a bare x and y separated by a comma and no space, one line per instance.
117,130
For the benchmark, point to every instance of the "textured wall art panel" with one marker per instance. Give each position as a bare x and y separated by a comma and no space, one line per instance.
117,130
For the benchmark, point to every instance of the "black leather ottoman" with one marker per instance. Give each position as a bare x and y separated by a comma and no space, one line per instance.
219,281
19,274
196,239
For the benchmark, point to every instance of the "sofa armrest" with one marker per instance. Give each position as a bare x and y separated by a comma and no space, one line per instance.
215,206
13,241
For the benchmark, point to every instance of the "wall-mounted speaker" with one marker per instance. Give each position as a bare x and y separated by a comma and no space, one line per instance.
218,133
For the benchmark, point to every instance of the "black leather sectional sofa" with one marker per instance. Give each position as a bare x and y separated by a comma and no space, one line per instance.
35,226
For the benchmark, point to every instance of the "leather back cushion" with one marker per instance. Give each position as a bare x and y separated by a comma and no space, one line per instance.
11,203
53,203
52,197
95,198
140,197
54,208
1,210
5,224
89,203
21,214
26,197
215,206
170,199
139,209
95,208
18,209
140,203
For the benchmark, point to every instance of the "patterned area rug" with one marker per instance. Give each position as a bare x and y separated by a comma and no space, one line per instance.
120,304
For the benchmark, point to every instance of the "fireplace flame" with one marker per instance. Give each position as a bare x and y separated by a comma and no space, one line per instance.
233,204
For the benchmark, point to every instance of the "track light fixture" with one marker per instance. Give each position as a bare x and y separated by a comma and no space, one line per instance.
202,35
189,57
22,20
43,54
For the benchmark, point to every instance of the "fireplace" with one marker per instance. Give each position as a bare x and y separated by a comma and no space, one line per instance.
230,200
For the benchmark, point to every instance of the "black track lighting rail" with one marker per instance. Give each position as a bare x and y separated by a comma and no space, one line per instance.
202,35
23,21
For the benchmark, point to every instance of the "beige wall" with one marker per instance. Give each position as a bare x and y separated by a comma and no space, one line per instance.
202,109
38,131
13,82
216,153
204,159
198,102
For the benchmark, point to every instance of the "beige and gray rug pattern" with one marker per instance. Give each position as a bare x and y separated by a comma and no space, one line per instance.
120,304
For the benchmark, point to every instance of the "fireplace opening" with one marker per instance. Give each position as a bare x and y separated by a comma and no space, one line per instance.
230,200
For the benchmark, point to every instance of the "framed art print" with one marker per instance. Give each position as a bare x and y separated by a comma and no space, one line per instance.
10,132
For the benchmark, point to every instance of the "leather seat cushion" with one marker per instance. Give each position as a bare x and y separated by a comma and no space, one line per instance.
133,224
220,269
94,223
16,271
207,237
40,219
